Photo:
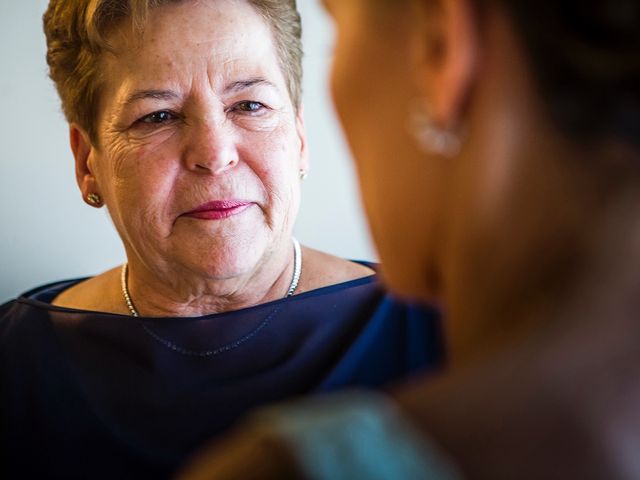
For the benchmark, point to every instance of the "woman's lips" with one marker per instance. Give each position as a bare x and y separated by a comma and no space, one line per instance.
218,209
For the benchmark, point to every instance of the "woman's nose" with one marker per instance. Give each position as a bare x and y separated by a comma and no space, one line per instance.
211,148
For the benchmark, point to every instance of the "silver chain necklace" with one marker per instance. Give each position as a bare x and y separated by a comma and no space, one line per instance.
297,269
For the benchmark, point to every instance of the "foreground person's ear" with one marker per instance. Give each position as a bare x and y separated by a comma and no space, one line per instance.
83,152
445,56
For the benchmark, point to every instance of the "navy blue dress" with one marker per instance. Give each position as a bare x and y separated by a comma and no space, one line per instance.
96,395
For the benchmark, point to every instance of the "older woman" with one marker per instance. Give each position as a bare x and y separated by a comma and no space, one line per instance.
186,124
511,127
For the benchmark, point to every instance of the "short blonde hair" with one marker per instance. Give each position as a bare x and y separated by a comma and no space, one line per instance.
77,31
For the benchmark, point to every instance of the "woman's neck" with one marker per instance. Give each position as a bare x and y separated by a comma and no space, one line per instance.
182,293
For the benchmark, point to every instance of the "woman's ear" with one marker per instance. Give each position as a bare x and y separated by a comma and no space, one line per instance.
83,152
446,56
302,136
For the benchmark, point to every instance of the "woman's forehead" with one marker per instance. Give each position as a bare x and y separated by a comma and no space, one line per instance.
189,30
196,39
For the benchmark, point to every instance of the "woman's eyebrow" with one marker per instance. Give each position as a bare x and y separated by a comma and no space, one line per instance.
155,94
171,95
244,84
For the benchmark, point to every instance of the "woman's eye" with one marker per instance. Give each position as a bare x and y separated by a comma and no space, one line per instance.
162,116
249,107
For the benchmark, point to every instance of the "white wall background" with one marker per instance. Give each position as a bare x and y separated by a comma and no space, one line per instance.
47,233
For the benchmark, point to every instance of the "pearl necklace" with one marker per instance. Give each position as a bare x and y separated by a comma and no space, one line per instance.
297,269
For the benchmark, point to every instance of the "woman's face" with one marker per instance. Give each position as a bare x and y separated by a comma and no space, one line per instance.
199,146
374,95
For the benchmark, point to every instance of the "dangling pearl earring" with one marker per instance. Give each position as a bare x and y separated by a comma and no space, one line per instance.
429,137
94,199
303,174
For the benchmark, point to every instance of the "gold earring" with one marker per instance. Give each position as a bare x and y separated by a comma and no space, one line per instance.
94,199
303,174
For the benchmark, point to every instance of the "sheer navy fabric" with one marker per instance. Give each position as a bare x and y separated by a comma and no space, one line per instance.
89,394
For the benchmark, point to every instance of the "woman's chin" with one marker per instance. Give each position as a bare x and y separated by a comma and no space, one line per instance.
220,255
220,260
227,268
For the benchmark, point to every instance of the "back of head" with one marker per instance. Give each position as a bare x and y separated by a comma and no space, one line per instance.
586,57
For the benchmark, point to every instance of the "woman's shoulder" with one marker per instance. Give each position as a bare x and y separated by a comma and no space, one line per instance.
35,297
99,293
5,310
321,269
49,299
22,318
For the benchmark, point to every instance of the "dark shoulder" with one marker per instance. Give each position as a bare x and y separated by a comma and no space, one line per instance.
320,269
31,310
18,320
5,314
5,308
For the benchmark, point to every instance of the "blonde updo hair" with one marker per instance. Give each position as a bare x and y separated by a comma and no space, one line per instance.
77,34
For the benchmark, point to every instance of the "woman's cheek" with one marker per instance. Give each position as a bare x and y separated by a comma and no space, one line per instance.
134,155
266,124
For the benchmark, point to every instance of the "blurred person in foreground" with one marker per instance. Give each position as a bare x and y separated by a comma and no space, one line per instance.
498,149
185,122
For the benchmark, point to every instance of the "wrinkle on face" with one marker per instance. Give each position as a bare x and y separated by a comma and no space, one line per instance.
147,167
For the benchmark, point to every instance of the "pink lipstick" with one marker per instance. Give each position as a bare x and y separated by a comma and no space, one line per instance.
218,209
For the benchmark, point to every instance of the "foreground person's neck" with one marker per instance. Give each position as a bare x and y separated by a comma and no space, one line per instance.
550,385
569,242
560,402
